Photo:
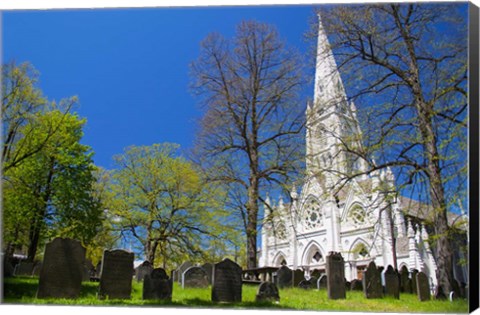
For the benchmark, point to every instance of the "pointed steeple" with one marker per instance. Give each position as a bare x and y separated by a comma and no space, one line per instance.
328,83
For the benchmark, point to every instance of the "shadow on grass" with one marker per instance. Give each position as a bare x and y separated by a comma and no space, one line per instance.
18,287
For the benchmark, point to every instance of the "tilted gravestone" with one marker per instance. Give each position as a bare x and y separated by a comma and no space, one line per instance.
284,277
23,268
335,268
423,287
267,291
144,269
116,275
181,269
157,285
61,273
322,282
195,277
356,285
392,283
405,282
227,282
208,267
298,276
372,282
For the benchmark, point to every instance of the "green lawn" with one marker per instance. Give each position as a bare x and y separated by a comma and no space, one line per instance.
22,291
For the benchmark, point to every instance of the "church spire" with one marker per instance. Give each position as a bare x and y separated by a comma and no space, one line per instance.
328,83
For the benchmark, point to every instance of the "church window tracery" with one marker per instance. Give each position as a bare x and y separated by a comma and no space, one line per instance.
358,216
313,217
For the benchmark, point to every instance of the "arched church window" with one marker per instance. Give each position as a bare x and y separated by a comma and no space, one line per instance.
313,214
360,251
358,216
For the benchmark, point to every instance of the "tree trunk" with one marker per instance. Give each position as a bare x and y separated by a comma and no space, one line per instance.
252,213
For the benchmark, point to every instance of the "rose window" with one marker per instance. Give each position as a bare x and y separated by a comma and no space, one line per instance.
313,215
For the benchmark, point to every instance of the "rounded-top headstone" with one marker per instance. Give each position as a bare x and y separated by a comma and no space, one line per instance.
157,286
227,282
267,291
372,282
195,277
284,277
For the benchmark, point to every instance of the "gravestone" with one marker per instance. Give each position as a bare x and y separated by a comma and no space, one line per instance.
227,282
298,276
23,268
372,282
116,274
356,285
267,291
347,285
405,282
335,276
7,268
284,277
322,282
316,273
413,279
195,277
157,285
61,273
392,283
313,280
306,284
208,267
144,269
181,269
37,267
423,287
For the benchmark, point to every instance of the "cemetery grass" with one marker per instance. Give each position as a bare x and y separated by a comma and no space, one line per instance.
22,290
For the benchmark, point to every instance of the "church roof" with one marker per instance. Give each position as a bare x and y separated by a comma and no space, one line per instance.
423,211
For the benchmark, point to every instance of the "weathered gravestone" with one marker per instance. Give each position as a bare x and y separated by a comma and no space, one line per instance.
61,273
23,268
208,267
116,274
306,284
37,267
298,276
413,280
313,280
439,293
7,268
267,291
356,285
284,277
316,273
405,282
181,269
195,277
144,269
423,287
372,282
157,285
322,282
335,276
227,282
392,283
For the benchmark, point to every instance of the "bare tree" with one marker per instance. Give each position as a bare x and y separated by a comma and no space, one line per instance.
406,65
249,135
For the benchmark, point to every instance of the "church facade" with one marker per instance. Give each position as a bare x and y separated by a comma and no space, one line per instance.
358,220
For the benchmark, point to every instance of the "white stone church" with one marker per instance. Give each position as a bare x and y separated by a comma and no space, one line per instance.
354,220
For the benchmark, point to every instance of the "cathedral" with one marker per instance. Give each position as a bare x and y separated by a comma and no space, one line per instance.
358,220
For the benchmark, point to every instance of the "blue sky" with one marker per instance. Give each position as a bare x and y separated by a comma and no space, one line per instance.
130,67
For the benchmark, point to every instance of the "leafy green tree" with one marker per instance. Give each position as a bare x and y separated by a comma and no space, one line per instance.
161,200
406,67
50,193
22,102
249,135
